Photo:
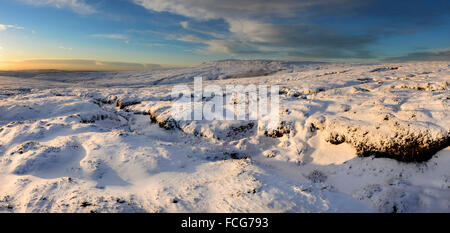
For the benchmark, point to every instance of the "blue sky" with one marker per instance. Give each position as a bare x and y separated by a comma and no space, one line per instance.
134,34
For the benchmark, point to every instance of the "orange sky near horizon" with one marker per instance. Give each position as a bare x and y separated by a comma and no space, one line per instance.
76,65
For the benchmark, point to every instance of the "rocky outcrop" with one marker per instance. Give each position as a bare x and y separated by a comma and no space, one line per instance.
397,140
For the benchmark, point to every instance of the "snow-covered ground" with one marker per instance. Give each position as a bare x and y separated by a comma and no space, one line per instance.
105,142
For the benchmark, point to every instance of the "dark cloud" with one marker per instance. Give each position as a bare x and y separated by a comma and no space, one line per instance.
250,9
312,37
331,54
438,55
306,28
267,39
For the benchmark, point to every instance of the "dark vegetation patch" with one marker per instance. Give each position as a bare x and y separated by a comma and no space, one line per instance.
122,104
283,129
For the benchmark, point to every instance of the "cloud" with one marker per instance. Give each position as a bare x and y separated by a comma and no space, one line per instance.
219,9
435,55
79,65
250,34
184,24
64,48
225,46
254,38
1,48
331,54
236,48
122,37
191,38
111,36
78,6
295,35
293,27
4,27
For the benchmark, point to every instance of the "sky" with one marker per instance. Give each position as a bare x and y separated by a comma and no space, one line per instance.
149,34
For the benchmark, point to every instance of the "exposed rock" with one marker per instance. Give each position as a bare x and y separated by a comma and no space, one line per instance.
397,140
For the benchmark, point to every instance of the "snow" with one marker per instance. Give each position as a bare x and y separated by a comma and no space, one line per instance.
349,140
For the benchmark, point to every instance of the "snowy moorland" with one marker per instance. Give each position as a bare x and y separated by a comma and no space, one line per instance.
351,138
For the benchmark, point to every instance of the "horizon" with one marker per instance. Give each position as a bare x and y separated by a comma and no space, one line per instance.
74,69
126,35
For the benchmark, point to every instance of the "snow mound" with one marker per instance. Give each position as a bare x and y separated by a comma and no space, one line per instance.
397,140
